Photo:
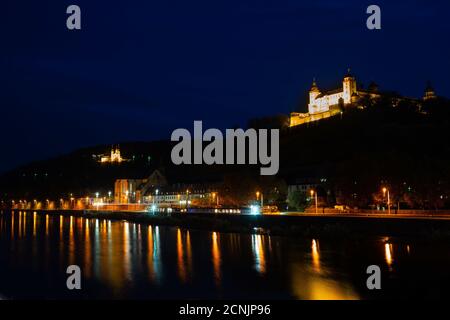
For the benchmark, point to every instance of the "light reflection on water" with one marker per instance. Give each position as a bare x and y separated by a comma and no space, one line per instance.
153,255
216,258
126,260
388,253
258,253
315,255
180,252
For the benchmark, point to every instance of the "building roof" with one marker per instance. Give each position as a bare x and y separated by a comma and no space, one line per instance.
314,86
327,93
348,74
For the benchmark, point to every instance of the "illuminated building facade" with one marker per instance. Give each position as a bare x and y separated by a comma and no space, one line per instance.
156,190
429,92
126,191
175,197
325,104
114,157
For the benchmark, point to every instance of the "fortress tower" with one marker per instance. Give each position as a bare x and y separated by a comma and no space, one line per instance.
325,104
429,92
349,87
314,92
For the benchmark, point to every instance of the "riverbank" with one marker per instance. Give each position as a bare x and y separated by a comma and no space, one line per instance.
336,226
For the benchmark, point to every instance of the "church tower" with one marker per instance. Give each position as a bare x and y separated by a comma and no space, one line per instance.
429,92
349,87
313,93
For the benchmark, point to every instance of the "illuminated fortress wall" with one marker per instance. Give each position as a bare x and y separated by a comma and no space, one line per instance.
323,105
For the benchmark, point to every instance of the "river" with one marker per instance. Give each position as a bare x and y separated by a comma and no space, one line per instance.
125,260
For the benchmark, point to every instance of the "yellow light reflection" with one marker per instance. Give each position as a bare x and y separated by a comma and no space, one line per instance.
126,248
307,286
258,253
46,224
388,253
34,224
315,255
180,254
150,252
216,258
61,227
24,224
88,251
71,243
20,224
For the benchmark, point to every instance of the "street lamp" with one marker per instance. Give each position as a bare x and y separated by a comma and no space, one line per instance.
187,199
262,198
313,193
216,196
388,199
153,202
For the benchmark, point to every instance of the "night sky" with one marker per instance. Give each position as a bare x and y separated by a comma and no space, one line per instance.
140,69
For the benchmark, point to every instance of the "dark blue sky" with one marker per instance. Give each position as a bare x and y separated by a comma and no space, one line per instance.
139,69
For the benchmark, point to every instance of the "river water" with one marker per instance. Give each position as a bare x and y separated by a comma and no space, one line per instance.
124,260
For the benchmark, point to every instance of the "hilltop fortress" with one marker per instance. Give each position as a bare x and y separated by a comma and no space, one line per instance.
326,104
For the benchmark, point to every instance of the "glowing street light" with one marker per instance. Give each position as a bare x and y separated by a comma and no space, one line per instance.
215,196
386,190
314,193
262,198
154,197
187,198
